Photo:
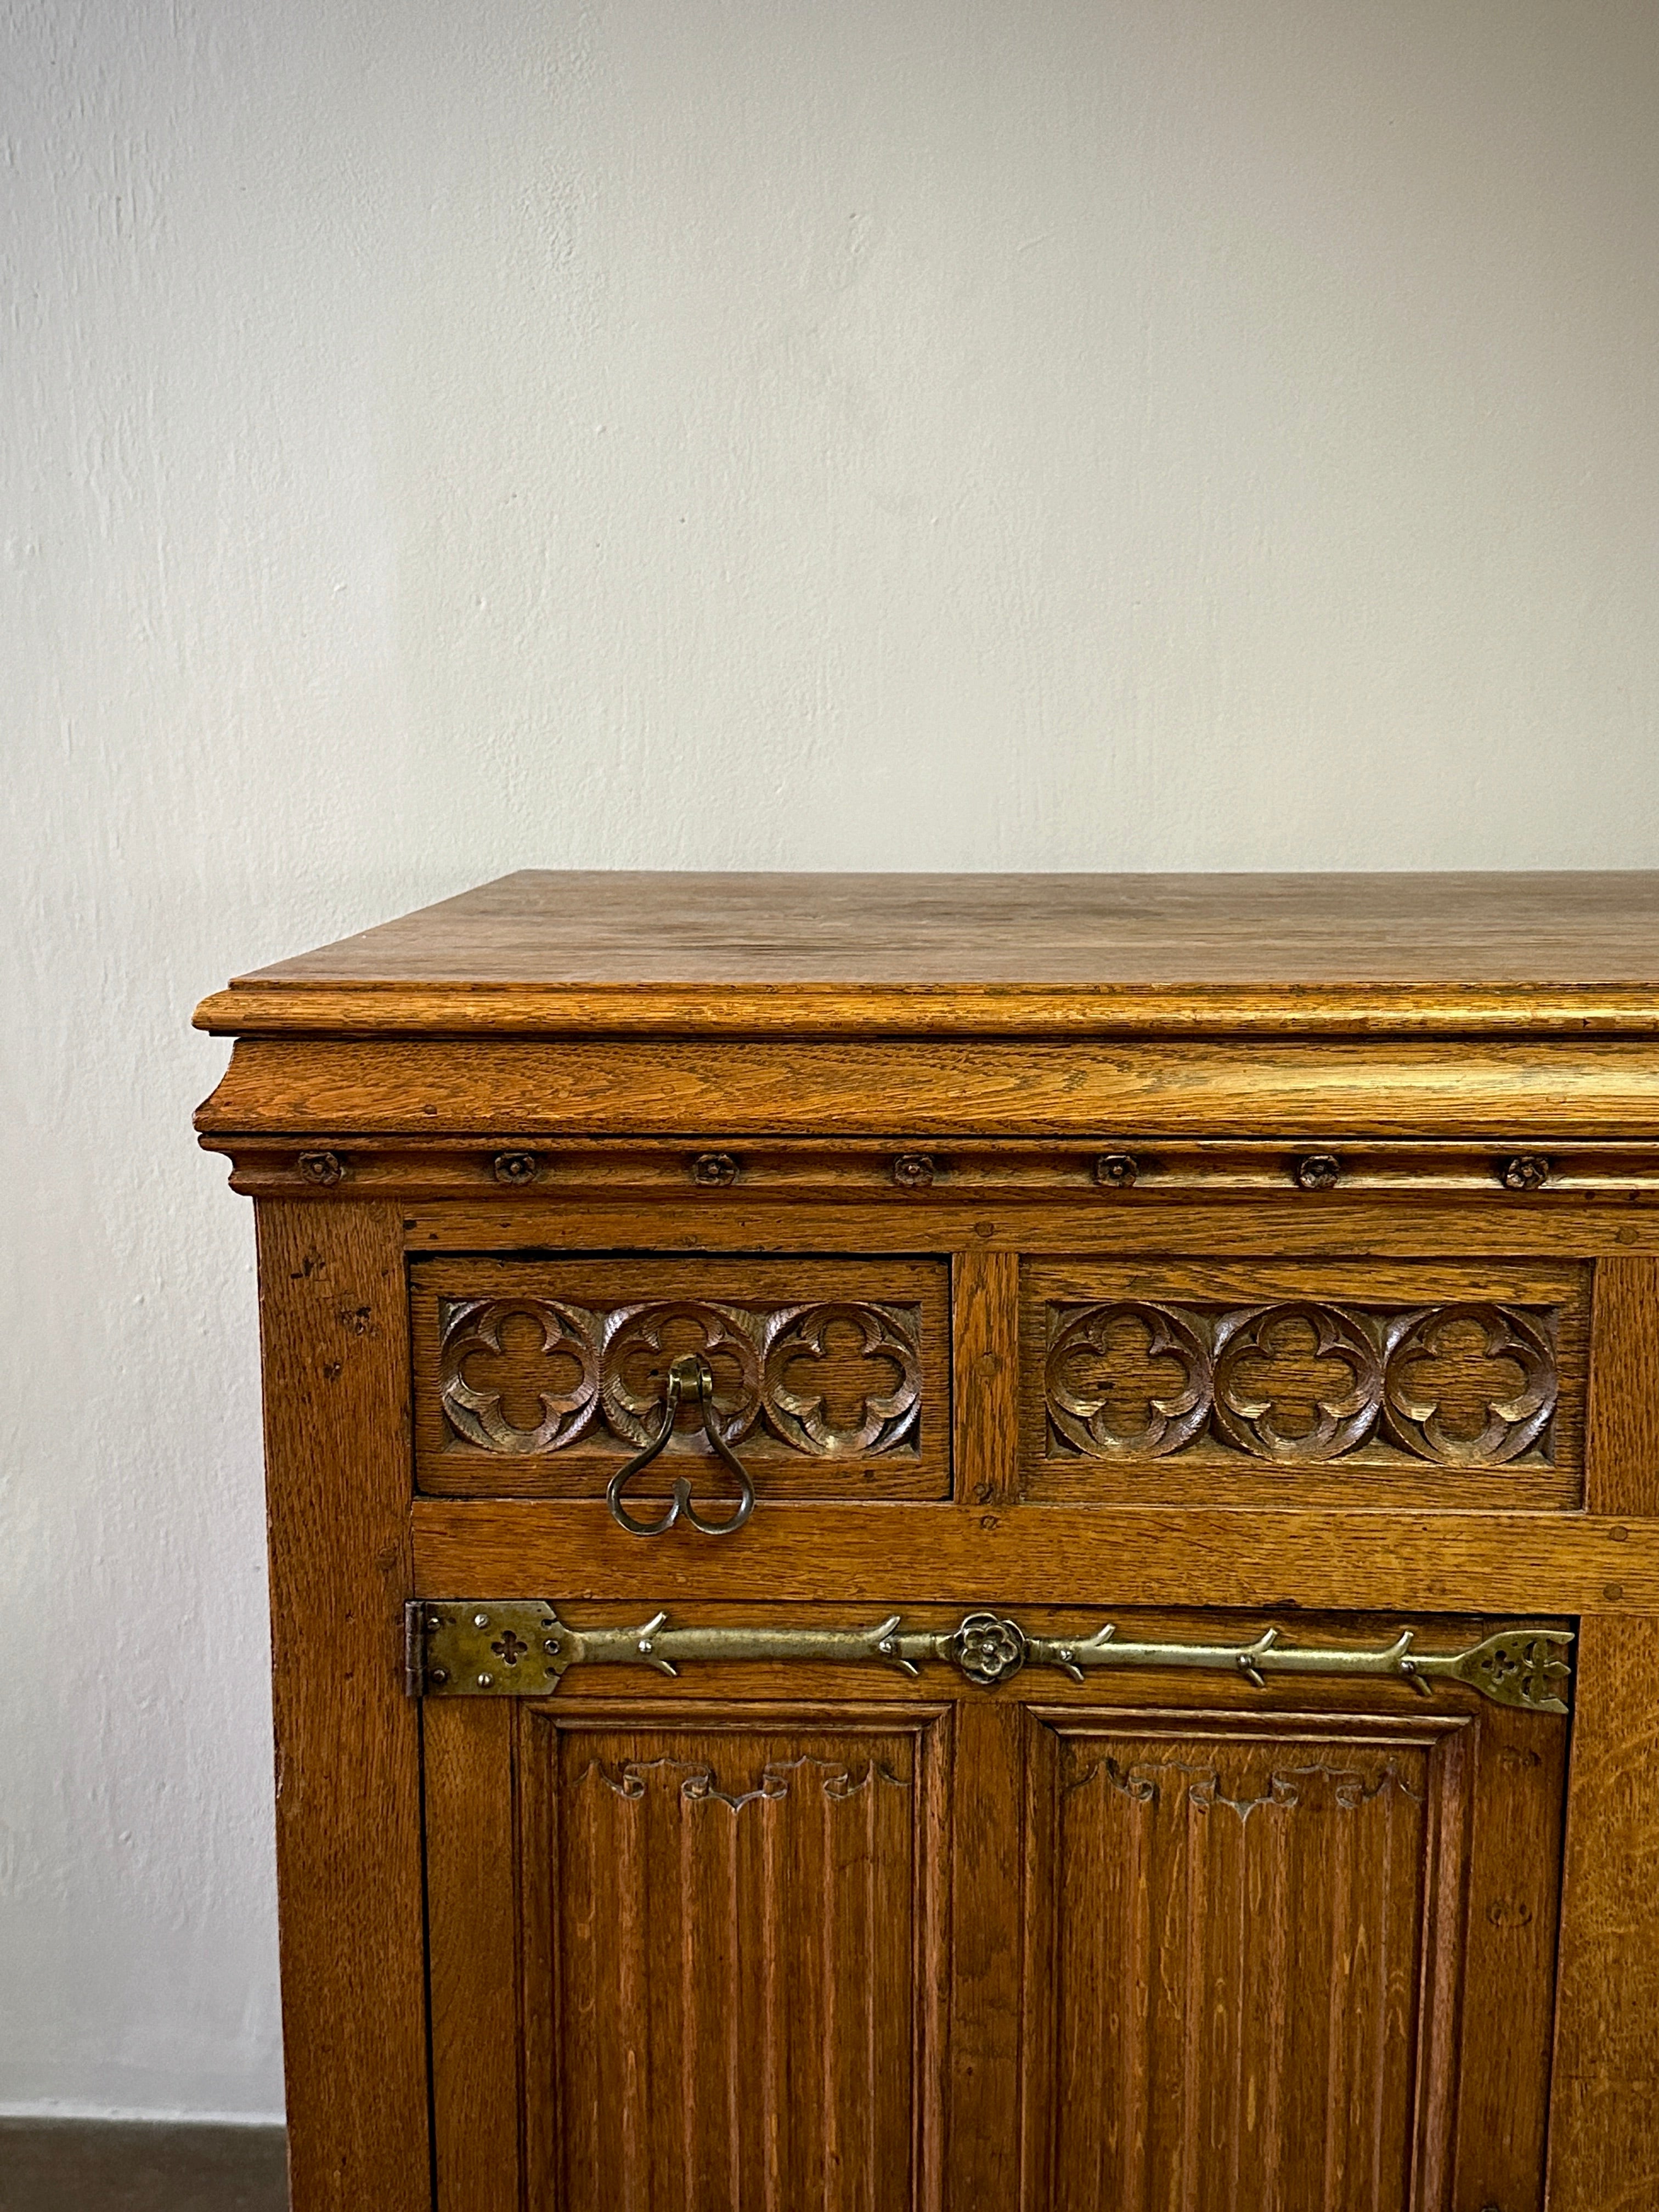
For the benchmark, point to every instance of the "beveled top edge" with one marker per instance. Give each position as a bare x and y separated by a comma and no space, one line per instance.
634,953
828,1012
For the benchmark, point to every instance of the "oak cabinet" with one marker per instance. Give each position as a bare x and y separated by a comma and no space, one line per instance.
954,1542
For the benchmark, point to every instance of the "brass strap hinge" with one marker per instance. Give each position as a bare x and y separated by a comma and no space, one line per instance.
415,1631
521,1647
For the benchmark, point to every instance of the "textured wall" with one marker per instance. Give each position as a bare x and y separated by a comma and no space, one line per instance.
436,438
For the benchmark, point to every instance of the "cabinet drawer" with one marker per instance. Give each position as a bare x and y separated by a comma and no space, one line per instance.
541,1377
1341,1382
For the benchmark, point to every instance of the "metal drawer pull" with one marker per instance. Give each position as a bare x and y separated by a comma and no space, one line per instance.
690,1379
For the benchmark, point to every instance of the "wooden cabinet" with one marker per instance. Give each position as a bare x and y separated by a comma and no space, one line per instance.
1142,1689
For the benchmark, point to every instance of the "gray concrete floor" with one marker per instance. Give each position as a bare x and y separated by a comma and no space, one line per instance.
75,2165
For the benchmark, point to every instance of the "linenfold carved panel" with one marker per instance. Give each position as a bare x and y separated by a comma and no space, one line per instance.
736,1995
1246,1944
833,1780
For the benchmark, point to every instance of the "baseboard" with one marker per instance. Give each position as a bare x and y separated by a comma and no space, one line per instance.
140,2166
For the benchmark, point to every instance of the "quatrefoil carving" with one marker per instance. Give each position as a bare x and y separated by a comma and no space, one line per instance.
1469,1385
640,1341
838,1379
824,1369
1296,1381
507,1358
1299,1382
1128,1380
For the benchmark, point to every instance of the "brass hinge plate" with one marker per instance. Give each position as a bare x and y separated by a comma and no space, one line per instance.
520,1648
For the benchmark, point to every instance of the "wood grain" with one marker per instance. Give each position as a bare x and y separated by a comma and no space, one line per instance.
738,1932
1203,1459
701,1297
1342,1999
1604,2138
861,954
473,1915
1308,1092
1271,1229
984,1311
1507,1865
878,1555
997,1172
983,2141
336,1332
1245,1943
1621,1470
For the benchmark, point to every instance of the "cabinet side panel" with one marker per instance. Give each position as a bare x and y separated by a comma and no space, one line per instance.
1604,2114
335,1334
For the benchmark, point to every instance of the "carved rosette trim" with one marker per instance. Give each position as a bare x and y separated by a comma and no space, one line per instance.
1413,1413
761,1362
1307,1380
473,1330
1341,1419
802,1418
1083,1415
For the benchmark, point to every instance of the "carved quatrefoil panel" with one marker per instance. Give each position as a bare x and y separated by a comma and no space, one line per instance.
838,1379
640,1342
519,1375
1296,1381
1470,1385
842,1380
1129,1381
1458,1385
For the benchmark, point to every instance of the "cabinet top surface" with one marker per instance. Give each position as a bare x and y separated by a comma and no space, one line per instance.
545,951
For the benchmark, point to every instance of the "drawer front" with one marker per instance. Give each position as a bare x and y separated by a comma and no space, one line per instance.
1360,1382
540,1378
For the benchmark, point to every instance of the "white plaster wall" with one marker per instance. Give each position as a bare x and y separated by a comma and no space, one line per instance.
999,433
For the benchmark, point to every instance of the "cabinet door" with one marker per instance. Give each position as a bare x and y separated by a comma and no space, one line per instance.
791,1935
720,1930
